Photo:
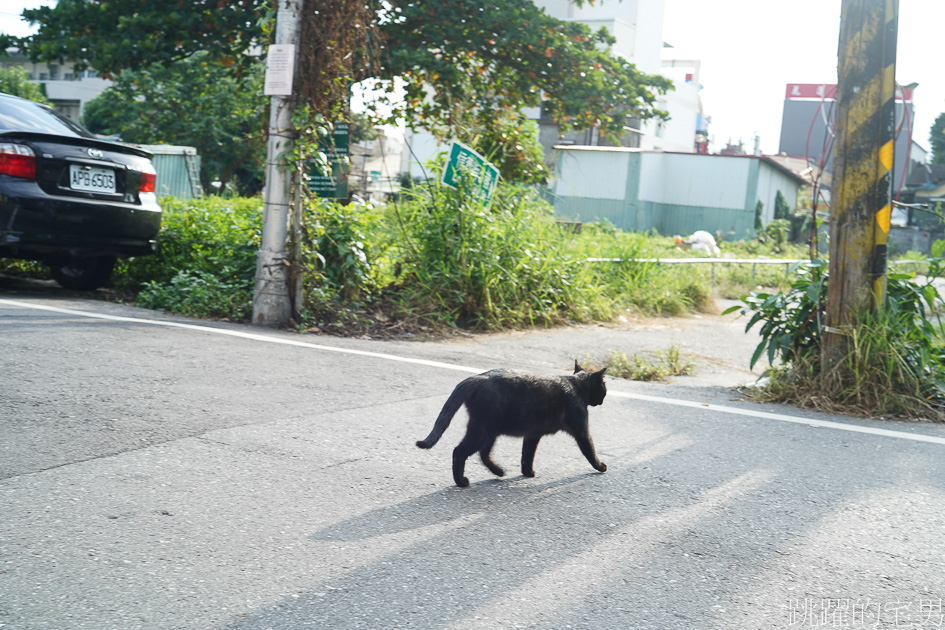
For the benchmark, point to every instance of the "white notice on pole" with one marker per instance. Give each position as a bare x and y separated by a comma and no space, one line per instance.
280,66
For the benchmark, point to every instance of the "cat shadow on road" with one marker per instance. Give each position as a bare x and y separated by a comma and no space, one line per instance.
513,497
448,504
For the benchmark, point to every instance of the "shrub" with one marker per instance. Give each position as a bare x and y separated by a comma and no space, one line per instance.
343,264
505,265
782,211
199,294
893,361
207,246
336,250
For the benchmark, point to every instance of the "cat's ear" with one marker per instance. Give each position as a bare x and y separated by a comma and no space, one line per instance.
600,373
577,367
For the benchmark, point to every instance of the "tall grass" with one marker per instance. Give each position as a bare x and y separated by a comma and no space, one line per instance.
433,258
512,264
880,373
630,281
489,267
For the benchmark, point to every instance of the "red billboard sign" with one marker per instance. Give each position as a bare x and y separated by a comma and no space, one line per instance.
826,91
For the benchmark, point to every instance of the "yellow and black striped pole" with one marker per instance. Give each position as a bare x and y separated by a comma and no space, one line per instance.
863,160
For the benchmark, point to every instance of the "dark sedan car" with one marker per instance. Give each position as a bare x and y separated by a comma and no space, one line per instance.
69,199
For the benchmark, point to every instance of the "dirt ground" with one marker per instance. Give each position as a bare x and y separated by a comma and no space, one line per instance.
718,346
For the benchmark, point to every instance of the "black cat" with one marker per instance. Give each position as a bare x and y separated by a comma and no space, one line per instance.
506,402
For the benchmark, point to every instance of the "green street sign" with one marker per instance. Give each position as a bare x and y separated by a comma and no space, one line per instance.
332,185
465,165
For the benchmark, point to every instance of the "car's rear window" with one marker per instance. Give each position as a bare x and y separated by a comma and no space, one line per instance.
22,115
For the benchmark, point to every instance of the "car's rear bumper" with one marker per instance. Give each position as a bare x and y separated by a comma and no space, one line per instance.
34,224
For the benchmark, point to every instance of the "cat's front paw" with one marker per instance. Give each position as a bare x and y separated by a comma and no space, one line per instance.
602,467
462,483
528,473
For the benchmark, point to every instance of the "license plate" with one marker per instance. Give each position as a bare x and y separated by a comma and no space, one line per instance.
91,179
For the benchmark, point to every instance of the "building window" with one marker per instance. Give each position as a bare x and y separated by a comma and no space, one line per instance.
53,72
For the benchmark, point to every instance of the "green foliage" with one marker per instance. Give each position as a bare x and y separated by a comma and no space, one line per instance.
876,375
488,55
477,55
759,217
200,294
937,139
732,281
196,103
111,38
505,265
24,268
509,141
343,258
938,249
433,259
16,81
782,211
778,231
793,320
893,362
451,261
206,247
637,367
752,248
335,246
635,283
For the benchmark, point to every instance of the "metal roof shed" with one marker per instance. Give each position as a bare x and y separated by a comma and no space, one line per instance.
673,193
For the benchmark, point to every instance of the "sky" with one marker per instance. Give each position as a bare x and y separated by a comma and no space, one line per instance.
751,49
10,10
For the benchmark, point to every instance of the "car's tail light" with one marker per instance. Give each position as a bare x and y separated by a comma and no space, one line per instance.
148,179
17,160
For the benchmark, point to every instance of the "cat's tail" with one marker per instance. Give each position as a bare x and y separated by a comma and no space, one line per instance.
450,407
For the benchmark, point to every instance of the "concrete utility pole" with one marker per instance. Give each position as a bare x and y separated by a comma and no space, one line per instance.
863,163
271,303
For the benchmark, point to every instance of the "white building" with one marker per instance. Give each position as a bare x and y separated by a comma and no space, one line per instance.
67,89
687,129
375,166
637,27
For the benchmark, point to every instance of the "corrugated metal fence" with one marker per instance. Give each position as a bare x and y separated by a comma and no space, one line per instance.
178,170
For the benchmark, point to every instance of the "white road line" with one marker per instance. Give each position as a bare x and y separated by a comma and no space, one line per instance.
242,335
825,424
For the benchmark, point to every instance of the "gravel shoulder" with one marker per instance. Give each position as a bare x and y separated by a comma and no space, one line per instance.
718,346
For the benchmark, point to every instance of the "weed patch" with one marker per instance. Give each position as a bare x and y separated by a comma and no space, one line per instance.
658,366
892,363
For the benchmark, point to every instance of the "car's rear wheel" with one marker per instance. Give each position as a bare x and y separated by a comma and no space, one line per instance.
83,274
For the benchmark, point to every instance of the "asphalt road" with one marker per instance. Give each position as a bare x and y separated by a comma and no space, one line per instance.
164,473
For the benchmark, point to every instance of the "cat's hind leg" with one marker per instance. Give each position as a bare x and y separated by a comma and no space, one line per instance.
485,454
529,446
